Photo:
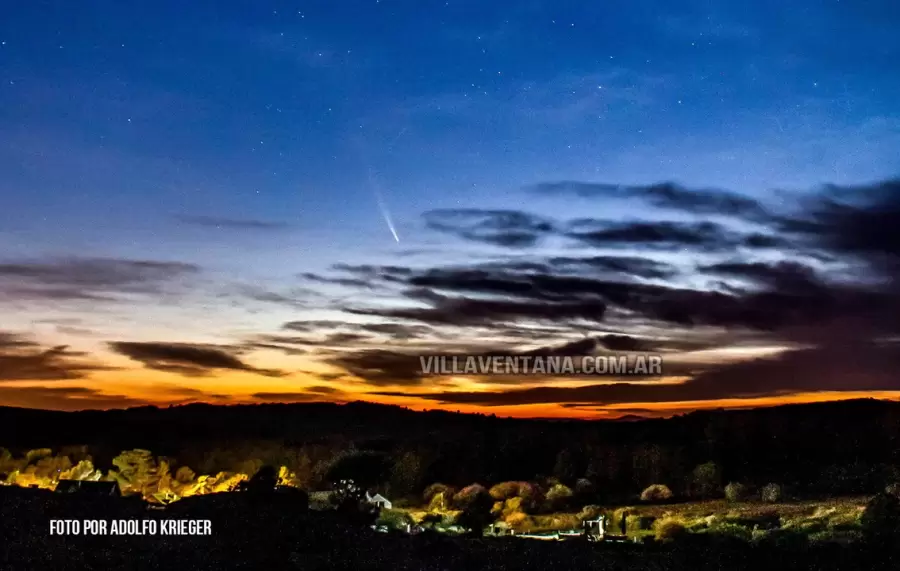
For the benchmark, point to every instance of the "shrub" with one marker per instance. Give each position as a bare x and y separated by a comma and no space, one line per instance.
785,539
881,520
736,492
732,531
771,493
893,489
656,493
394,519
669,529
707,479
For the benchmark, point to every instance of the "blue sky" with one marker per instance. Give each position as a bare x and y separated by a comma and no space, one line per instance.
250,138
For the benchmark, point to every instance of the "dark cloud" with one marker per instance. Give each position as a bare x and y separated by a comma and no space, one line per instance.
22,359
311,326
296,297
666,235
850,367
861,223
286,349
338,281
665,195
469,311
622,265
91,279
232,223
65,398
615,342
507,228
822,275
779,276
186,359
404,367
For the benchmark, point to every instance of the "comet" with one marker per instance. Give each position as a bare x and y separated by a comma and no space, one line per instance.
382,206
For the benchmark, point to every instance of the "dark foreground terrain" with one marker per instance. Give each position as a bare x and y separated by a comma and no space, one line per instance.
268,533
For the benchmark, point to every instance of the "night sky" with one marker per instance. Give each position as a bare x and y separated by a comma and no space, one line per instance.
290,201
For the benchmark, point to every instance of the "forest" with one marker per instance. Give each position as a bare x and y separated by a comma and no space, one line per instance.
807,451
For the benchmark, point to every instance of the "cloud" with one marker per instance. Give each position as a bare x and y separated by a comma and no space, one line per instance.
666,235
817,275
507,228
664,195
858,367
232,223
64,398
91,279
405,367
24,360
186,359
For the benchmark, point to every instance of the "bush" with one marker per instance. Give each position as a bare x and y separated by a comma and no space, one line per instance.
893,489
394,519
771,493
656,493
785,539
736,492
669,529
732,531
881,520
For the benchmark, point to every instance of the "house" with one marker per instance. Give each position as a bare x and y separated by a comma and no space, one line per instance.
379,500
500,528
595,528
88,488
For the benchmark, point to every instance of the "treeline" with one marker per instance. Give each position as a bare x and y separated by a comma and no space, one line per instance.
808,450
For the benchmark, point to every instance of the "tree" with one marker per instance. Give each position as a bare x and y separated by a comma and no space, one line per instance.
656,493
771,493
184,475
84,470
366,469
134,469
264,481
505,490
565,469
476,505
893,489
736,492
559,497
466,495
350,501
707,480
406,474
